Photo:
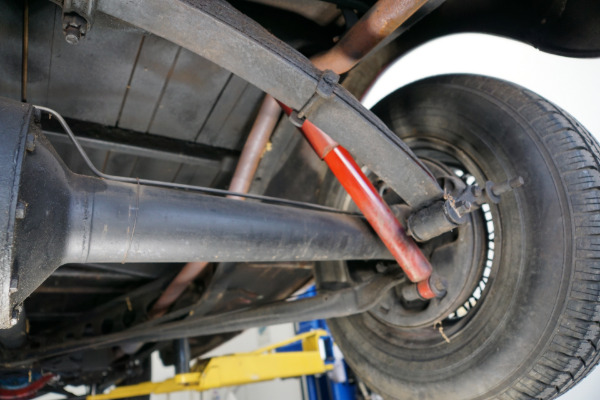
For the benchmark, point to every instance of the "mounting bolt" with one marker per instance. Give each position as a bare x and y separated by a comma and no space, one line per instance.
438,285
72,35
30,142
15,315
74,27
433,287
462,207
14,286
20,212
504,187
410,292
476,191
494,190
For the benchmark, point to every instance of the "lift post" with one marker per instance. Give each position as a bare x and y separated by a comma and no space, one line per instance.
260,365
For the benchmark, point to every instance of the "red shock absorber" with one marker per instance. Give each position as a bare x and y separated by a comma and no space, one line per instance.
406,252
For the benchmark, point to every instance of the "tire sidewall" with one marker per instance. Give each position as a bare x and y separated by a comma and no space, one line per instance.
532,261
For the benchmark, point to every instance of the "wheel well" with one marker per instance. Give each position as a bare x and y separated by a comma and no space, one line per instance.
563,27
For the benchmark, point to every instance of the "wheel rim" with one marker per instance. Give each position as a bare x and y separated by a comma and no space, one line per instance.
437,321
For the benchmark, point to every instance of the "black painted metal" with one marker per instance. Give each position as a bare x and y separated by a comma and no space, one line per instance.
69,218
15,119
240,45
182,355
15,336
343,301
434,220
137,143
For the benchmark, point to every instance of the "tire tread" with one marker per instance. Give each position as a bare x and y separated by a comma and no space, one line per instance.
573,351
570,346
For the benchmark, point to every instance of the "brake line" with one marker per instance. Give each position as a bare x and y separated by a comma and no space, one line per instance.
173,185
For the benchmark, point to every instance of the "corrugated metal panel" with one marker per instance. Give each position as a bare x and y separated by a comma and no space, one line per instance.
156,58
198,175
42,20
163,166
11,22
232,116
121,76
189,93
237,126
88,81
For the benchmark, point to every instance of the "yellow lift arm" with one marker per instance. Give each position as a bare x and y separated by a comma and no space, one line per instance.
237,369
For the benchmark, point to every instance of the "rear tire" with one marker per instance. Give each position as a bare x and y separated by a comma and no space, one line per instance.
534,331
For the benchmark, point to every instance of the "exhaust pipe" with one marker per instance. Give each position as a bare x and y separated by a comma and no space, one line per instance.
51,216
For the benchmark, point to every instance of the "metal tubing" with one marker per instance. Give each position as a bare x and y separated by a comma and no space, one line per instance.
378,23
252,152
176,287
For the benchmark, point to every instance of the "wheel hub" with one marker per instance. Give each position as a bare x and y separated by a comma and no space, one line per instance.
457,257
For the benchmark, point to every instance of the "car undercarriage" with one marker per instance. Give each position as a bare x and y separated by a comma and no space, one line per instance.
181,169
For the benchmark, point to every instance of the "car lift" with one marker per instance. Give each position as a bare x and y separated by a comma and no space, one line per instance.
237,369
